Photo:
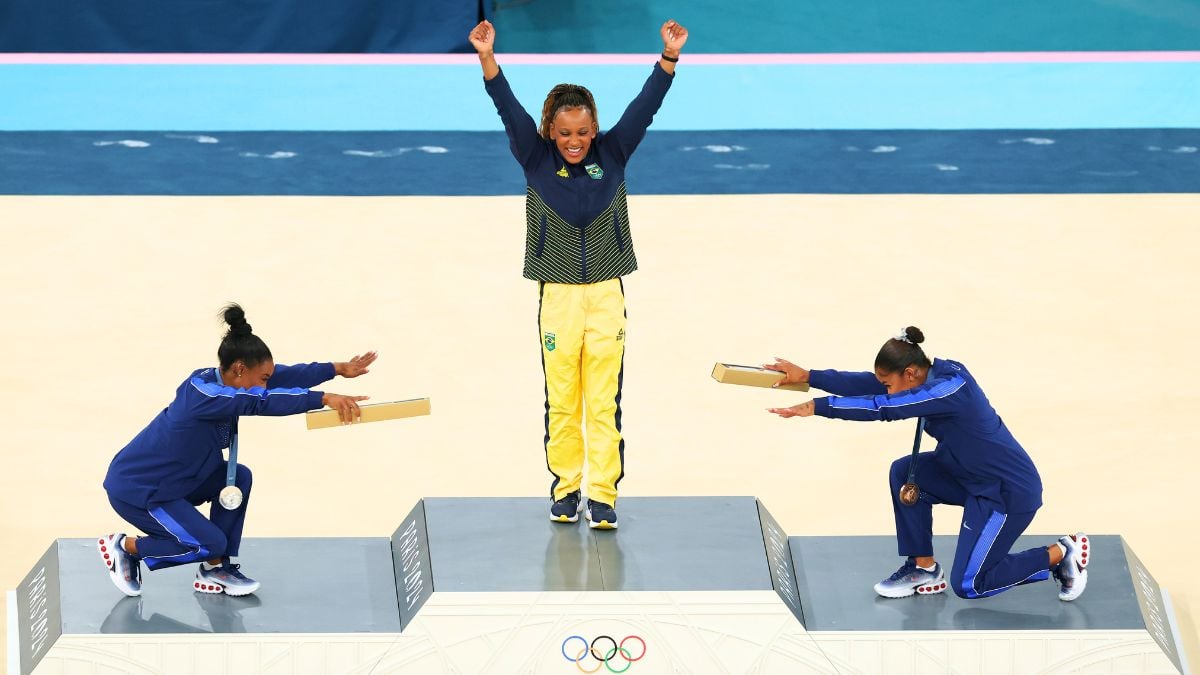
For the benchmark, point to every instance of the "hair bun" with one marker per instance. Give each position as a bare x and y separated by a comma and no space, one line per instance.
235,316
914,335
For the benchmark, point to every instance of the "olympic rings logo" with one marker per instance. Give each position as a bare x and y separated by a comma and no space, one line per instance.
606,655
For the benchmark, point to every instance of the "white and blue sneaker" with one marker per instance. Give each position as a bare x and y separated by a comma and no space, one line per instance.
227,579
566,510
1071,573
910,579
601,516
124,569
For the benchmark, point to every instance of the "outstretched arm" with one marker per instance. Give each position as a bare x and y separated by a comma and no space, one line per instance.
212,400
833,381
938,397
302,375
943,396
522,132
842,383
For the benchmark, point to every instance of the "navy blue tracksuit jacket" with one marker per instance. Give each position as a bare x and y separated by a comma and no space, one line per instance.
977,465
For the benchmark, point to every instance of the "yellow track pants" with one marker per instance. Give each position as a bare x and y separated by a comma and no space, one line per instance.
582,328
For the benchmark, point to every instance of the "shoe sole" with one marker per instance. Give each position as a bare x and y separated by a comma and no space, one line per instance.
216,589
923,589
106,556
1085,550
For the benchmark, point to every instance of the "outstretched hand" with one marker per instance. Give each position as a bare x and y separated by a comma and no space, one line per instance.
483,37
674,36
356,366
792,373
346,406
802,410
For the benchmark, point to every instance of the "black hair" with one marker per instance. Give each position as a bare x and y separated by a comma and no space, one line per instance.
565,96
240,343
897,354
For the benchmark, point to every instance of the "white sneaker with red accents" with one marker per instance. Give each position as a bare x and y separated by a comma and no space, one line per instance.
912,580
124,570
227,579
1071,573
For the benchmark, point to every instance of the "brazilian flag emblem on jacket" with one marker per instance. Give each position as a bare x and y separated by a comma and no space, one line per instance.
548,340
594,171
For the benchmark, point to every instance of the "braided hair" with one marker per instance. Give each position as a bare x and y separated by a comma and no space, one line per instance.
240,343
565,97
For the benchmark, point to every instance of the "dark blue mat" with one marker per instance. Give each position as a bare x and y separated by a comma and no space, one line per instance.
668,162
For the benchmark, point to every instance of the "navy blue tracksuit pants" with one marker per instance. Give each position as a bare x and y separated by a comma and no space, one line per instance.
983,565
177,534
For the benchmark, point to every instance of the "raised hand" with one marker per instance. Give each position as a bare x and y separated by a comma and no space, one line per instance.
674,36
356,366
483,37
792,373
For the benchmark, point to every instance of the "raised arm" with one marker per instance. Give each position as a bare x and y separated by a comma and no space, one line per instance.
629,131
522,131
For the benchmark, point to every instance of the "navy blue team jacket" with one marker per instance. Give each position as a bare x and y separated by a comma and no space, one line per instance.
182,446
974,445
577,220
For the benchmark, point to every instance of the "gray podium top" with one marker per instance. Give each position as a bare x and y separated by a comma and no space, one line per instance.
835,576
296,595
663,544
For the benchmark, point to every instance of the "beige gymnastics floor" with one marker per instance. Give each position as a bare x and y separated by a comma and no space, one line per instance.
1076,313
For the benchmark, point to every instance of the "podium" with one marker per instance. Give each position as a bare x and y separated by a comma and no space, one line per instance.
491,585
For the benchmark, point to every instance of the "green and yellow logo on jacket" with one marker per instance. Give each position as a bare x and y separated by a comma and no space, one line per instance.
594,171
548,340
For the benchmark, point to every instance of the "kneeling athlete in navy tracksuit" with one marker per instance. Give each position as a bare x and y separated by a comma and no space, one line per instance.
175,464
977,465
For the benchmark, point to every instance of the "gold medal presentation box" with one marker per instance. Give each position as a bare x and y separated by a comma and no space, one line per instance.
449,592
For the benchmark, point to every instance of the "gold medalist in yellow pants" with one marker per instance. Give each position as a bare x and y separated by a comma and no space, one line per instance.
583,355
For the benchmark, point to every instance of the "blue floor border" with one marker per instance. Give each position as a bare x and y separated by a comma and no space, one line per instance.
667,162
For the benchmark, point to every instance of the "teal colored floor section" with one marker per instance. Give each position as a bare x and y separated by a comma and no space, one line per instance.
451,97
831,26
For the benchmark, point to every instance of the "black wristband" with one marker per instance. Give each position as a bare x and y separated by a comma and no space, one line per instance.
668,58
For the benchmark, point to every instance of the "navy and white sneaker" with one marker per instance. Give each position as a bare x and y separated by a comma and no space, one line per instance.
910,579
227,579
124,569
566,510
1071,573
601,516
